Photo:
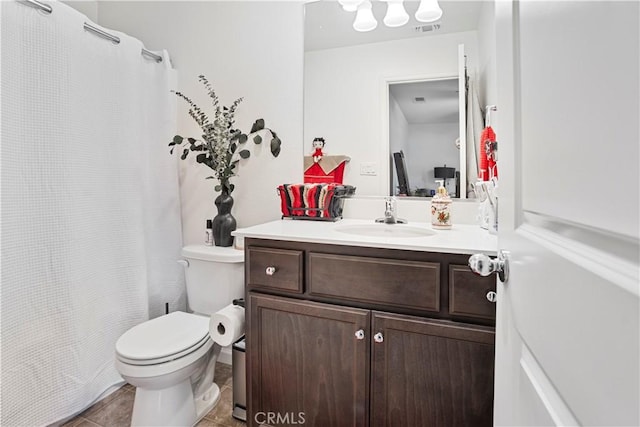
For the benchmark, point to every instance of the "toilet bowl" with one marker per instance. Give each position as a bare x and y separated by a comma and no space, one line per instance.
171,359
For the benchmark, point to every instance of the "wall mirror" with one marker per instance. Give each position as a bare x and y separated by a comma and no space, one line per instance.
424,136
359,87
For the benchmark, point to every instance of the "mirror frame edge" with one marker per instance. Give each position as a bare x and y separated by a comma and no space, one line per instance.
384,88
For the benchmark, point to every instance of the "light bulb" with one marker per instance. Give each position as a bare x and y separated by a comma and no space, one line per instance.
396,15
350,5
365,21
428,11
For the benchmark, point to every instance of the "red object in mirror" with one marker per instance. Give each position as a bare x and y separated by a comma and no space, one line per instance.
329,169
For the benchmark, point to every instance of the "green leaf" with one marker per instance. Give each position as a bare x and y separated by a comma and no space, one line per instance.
257,139
217,187
191,140
171,151
177,139
185,153
231,187
257,125
201,158
242,138
275,146
210,177
244,154
233,147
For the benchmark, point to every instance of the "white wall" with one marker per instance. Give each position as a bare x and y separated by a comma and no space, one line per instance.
88,7
344,95
246,49
431,145
487,55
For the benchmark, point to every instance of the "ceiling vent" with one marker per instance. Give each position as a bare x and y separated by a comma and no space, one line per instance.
426,28
419,100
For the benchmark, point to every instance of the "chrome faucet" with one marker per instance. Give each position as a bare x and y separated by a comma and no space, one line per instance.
390,208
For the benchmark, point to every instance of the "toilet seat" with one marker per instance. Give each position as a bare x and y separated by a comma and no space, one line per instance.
163,339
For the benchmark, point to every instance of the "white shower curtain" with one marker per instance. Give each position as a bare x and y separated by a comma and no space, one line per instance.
90,208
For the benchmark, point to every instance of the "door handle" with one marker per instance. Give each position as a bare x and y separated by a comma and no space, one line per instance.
484,265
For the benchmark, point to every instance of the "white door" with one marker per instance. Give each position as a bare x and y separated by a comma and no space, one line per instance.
567,337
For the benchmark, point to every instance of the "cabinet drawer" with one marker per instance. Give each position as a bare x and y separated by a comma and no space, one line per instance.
396,283
468,293
285,265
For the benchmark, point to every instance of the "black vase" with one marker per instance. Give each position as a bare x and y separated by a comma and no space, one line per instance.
223,223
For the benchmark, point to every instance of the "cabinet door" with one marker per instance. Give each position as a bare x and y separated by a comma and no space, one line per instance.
431,372
307,364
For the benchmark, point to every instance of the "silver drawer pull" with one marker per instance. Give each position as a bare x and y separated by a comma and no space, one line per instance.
270,271
492,296
378,337
360,334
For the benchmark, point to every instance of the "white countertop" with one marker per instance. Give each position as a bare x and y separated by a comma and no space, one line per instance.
460,239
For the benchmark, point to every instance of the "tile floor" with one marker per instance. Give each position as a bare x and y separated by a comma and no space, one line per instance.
115,409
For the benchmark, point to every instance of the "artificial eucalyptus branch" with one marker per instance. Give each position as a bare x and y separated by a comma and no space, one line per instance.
222,146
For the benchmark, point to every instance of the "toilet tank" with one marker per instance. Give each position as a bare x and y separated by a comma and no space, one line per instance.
214,277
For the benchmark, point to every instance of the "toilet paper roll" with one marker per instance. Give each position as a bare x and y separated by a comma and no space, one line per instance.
227,325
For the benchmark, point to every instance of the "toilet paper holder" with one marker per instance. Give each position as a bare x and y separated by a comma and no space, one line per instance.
239,375
237,302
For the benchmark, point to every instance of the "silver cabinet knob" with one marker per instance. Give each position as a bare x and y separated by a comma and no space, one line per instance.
492,296
360,334
484,265
270,271
378,337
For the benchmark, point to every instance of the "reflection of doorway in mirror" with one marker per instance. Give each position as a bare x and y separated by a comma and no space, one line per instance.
424,124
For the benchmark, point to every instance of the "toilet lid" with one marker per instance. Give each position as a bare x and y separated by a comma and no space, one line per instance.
160,338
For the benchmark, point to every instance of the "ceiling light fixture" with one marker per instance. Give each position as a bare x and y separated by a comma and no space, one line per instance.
350,5
365,21
396,16
428,11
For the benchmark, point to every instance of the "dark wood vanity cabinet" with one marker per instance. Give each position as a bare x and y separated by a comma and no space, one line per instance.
305,359
431,373
356,336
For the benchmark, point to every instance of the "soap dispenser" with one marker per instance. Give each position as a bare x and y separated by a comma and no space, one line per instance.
441,208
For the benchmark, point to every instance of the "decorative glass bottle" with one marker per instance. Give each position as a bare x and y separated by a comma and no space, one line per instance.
441,208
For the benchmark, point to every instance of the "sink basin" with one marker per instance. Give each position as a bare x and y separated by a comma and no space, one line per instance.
385,230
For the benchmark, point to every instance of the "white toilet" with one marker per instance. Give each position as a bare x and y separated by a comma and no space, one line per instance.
171,359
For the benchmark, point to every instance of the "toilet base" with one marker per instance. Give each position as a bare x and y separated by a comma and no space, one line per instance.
172,406
208,401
